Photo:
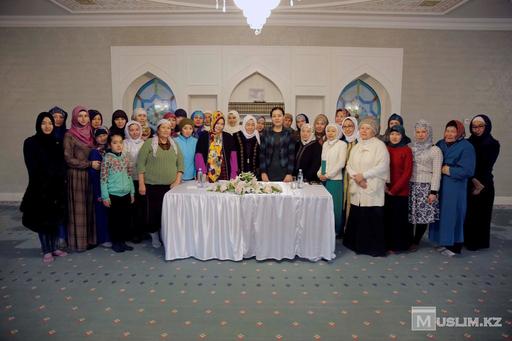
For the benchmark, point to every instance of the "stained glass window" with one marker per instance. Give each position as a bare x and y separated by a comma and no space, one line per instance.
157,98
361,100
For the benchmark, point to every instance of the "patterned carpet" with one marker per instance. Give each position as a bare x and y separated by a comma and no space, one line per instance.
100,295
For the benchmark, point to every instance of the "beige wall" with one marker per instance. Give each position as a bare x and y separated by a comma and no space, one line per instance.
446,74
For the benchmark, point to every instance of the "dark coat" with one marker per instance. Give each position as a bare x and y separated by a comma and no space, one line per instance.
248,153
309,159
43,204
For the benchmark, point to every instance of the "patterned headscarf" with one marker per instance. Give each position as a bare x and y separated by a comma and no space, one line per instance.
311,137
59,131
82,132
215,154
418,146
355,133
216,117
155,140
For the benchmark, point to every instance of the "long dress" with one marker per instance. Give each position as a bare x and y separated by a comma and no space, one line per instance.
309,159
346,178
81,224
101,213
477,227
449,229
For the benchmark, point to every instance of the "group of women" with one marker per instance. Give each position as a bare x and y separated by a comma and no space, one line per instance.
386,189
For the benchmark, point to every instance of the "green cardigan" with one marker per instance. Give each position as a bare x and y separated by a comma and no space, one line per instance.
162,169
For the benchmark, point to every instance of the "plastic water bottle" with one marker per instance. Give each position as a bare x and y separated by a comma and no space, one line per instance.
200,179
300,179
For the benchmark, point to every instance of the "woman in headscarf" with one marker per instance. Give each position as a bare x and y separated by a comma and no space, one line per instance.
368,167
171,117
233,122
260,126
247,142
160,167
119,120
300,119
309,154
350,130
277,150
43,204
216,152
207,120
198,118
132,144
458,167
321,121
78,143
60,116
330,172
140,115
393,120
101,214
425,182
477,228
95,118
398,233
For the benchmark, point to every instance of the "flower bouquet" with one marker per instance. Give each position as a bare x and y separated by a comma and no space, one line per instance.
245,183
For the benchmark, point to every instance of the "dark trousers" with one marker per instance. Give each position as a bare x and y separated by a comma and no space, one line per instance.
139,216
48,242
119,218
155,197
418,234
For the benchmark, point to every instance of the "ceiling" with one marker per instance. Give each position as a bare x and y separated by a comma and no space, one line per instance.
427,14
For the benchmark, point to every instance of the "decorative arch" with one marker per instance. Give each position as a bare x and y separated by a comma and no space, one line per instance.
360,99
156,97
233,82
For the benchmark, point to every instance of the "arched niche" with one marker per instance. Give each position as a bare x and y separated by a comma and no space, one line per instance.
376,87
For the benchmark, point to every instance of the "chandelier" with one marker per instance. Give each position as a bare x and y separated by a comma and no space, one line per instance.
255,11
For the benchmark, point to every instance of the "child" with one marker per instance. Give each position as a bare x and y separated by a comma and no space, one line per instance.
187,144
334,156
97,154
117,192
398,232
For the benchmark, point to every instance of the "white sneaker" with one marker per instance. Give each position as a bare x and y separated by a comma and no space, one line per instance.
156,243
107,244
440,248
448,253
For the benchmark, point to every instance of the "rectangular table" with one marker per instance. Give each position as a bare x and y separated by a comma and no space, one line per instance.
207,225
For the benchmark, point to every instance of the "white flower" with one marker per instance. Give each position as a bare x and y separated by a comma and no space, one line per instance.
223,188
267,189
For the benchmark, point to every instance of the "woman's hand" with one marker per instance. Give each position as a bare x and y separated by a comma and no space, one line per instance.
106,203
288,178
96,165
322,177
432,198
132,199
142,188
358,178
264,177
445,170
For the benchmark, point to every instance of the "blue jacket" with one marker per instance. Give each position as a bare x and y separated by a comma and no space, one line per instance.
188,149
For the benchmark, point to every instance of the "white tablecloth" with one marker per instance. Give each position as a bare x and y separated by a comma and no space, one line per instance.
208,225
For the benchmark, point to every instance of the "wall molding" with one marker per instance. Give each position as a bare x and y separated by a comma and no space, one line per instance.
277,19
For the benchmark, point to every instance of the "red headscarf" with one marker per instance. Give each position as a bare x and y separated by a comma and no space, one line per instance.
461,132
82,132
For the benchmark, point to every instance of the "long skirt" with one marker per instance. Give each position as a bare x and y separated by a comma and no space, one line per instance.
81,224
365,230
477,226
155,197
335,188
398,231
420,211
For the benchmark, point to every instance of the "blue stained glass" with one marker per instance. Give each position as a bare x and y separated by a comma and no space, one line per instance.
157,98
360,98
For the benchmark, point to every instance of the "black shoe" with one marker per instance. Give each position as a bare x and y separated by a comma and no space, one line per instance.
127,247
118,247
136,239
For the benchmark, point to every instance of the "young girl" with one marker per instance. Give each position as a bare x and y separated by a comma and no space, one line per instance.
102,236
334,155
117,192
187,144
132,146
119,120
248,146
216,152
277,150
397,230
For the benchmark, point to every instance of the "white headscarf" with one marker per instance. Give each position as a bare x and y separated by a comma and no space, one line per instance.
255,133
138,111
338,134
311,137
355,133
154,141
229,129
